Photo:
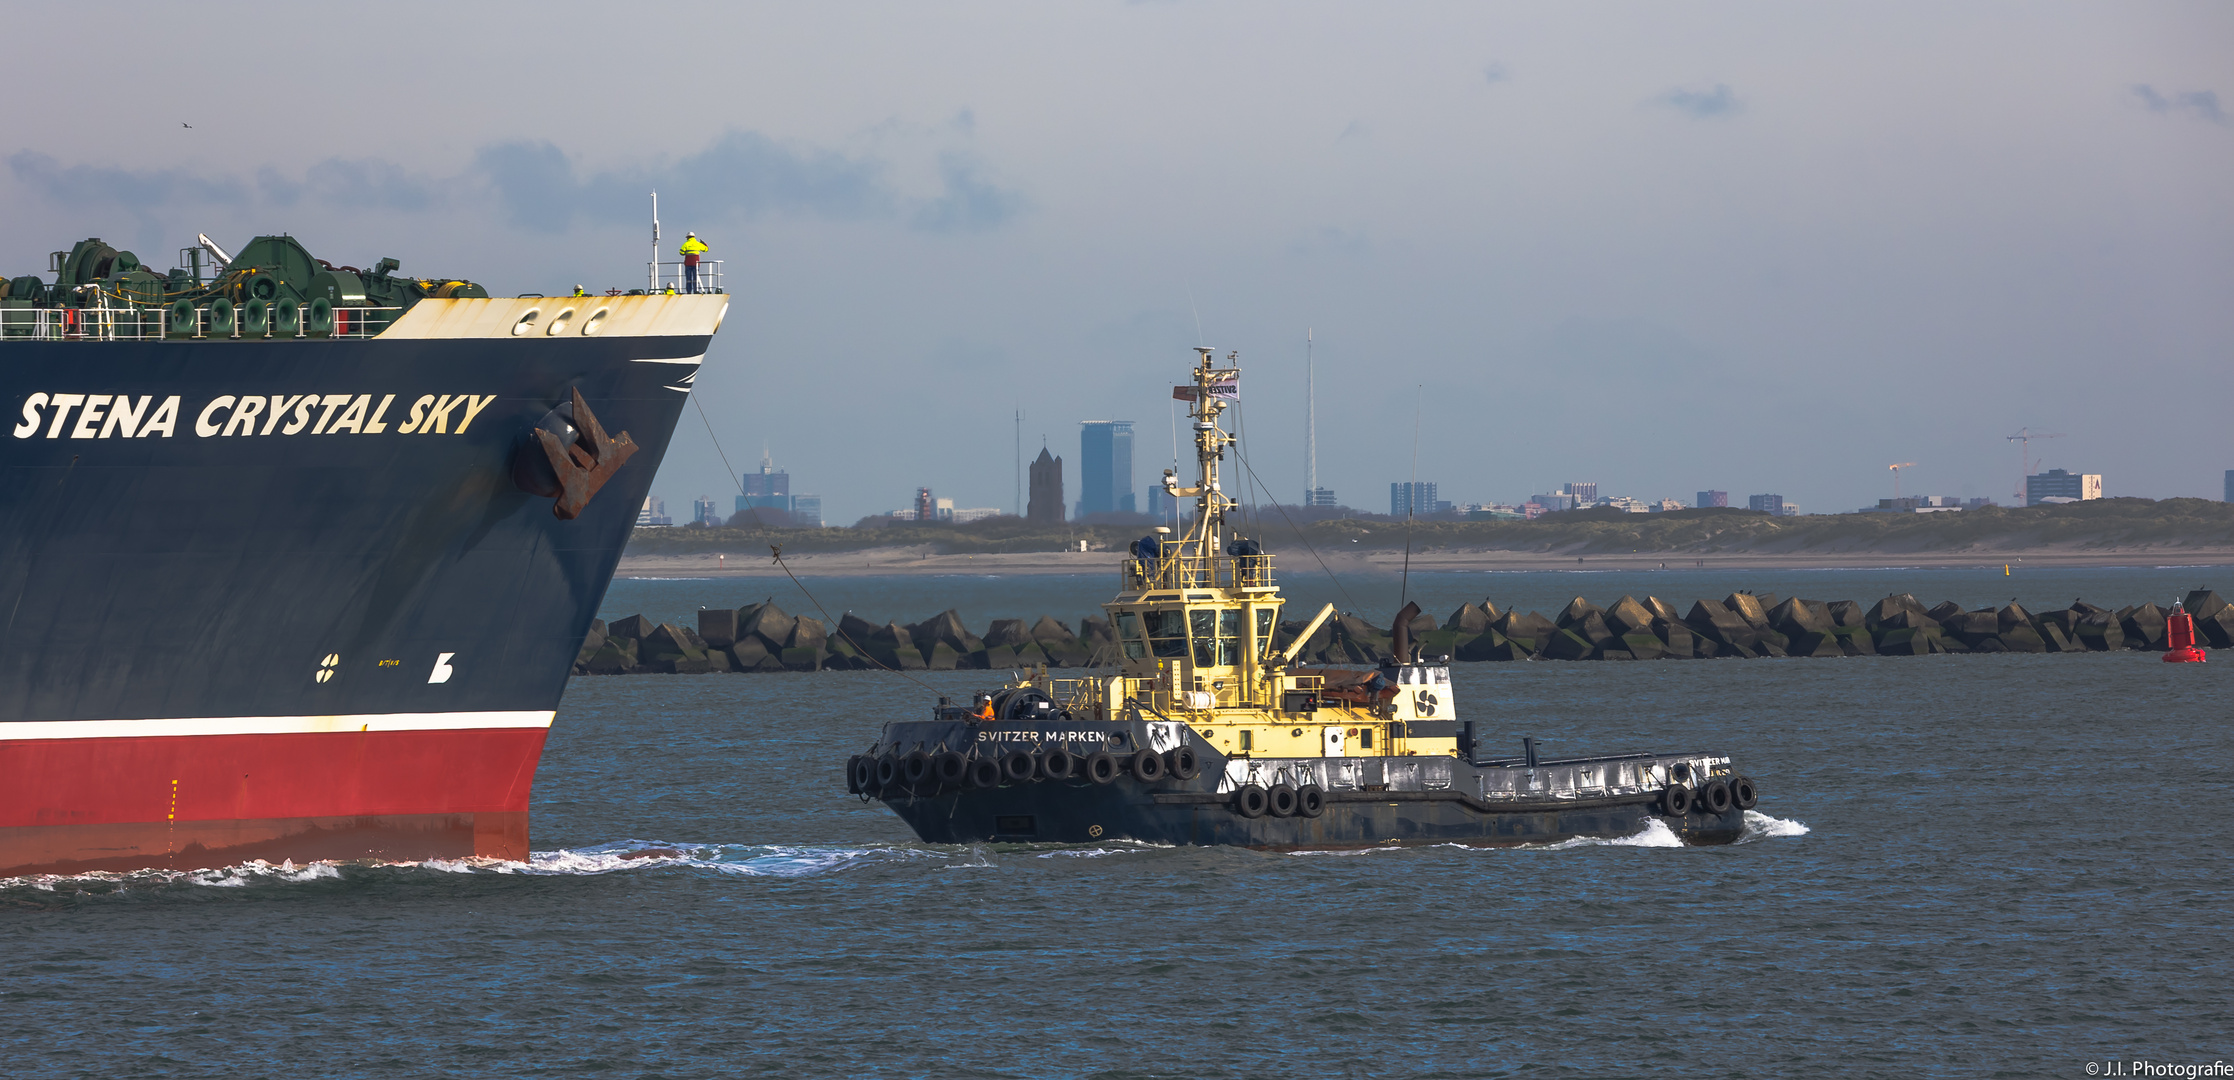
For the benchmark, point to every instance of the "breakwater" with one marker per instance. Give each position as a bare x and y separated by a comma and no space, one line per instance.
763,637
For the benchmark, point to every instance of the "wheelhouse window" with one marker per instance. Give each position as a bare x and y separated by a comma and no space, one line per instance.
1264,631
1128,632
1167,633
1217,636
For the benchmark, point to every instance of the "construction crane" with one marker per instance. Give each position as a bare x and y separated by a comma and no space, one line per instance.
1896,476
2023,438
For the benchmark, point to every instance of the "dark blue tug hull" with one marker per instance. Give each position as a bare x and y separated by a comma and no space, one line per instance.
1370,802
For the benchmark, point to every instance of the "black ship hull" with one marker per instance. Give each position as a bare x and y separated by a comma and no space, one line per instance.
1367,802
333,629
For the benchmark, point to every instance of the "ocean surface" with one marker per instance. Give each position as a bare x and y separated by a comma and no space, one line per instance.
1962,866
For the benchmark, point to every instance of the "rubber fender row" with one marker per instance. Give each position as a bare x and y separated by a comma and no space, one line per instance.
1279,800
1717,797
919,772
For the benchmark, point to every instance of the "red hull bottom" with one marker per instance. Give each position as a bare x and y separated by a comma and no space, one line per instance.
79,796
198,845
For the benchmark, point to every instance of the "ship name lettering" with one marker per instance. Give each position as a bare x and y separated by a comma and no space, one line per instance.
126,416
1042,736
202,425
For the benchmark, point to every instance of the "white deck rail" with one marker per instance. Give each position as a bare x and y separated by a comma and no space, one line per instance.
154,324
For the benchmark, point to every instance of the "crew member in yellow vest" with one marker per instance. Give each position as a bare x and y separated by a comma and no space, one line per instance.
578,291
693,247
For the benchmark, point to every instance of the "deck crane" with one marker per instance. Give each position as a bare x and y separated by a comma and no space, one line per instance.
2023,438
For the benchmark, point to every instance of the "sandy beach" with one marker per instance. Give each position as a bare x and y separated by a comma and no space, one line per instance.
922,561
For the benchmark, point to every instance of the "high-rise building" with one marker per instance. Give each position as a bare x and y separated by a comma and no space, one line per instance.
806,511
1584,491
2058,486
1412,499
2230,485
1770,504
1105,467
654,512
1714,498
926,507
1319,496
1047,490
702,511
768,489
1554,501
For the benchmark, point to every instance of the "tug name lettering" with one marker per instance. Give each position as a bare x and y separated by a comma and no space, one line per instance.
1043,736
109,416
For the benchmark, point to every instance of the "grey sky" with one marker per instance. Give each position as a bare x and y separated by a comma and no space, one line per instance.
1755,247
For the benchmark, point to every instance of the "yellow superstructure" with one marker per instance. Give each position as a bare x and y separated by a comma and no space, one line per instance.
1196,618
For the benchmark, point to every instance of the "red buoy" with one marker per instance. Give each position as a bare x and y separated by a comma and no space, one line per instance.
2179,638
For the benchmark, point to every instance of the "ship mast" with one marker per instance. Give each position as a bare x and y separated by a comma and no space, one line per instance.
1310,426
1214,386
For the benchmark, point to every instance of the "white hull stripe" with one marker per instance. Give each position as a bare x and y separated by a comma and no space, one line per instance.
269,725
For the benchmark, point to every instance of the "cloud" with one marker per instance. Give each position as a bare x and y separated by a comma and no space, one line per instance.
1340,243
2201,104
970,204
740,175
1702,104
1496,73
360,182
333,182
98,185
743,174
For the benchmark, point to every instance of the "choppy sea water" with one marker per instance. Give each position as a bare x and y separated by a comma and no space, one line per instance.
1962,866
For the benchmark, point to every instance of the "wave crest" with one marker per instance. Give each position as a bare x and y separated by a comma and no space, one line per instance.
1760,826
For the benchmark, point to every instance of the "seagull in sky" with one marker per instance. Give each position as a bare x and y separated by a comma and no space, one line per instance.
184,124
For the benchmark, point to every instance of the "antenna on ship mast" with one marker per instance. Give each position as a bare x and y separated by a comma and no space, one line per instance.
653,286
1310,426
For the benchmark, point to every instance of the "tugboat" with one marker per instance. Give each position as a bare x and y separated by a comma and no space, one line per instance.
1210,733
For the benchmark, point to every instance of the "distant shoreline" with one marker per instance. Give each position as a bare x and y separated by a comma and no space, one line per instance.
917,561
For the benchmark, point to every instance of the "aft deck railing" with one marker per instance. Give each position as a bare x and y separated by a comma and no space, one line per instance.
155,324
666,274
1197,572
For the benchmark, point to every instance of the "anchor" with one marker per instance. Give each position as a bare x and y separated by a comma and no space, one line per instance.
573,462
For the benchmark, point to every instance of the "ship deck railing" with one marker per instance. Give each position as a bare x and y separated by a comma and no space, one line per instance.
666,274
1197,572
1154,694
126,323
